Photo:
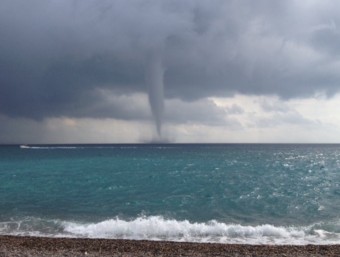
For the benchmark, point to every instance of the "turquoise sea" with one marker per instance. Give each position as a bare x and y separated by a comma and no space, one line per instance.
227,193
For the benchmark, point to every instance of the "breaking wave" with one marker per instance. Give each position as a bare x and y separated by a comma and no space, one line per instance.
159,228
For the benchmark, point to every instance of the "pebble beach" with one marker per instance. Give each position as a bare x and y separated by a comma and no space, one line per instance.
43,246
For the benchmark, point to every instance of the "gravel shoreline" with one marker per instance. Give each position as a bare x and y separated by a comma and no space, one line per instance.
38,246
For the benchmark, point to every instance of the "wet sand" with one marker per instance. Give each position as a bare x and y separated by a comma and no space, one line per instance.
37,246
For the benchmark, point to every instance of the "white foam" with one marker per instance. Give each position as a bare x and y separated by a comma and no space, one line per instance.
49,147
158,228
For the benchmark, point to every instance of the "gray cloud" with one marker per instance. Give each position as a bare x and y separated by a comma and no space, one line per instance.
199,112
55,55
234,109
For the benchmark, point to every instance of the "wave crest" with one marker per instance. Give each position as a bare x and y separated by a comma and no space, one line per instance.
159,228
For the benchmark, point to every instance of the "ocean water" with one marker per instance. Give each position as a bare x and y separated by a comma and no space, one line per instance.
225,193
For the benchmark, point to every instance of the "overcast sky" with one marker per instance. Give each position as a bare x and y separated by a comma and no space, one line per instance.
118,71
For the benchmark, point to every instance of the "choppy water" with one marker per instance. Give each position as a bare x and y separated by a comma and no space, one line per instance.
277,194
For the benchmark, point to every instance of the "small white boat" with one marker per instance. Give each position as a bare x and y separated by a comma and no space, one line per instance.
24,146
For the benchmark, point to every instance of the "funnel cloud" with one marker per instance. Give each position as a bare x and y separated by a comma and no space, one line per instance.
155,82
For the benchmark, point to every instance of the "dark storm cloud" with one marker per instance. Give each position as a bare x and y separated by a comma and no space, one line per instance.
54,55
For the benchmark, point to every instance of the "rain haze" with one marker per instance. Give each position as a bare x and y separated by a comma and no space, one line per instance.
117,71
